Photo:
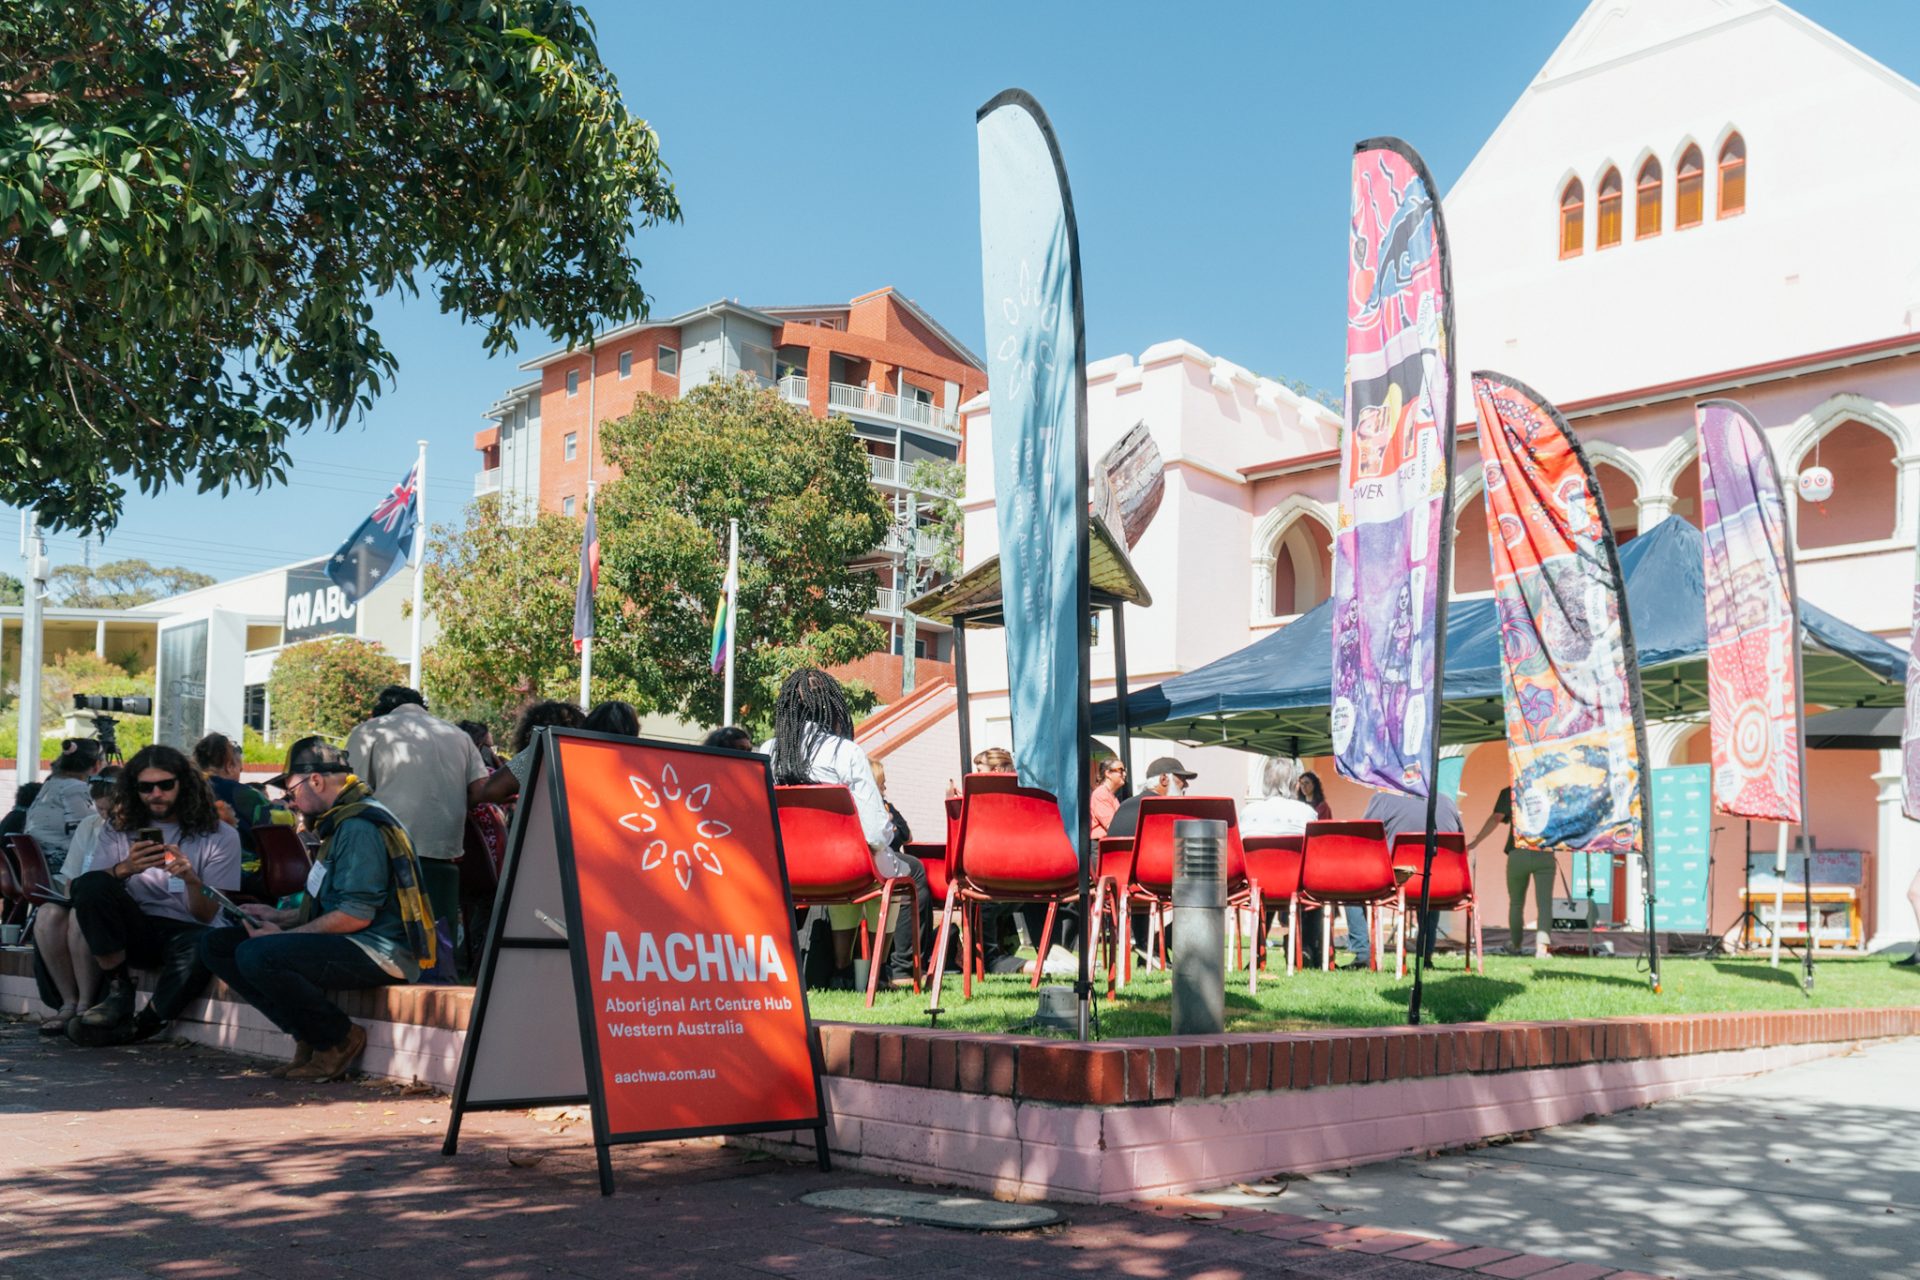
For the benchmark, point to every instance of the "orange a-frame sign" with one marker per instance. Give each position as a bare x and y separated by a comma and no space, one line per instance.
641,956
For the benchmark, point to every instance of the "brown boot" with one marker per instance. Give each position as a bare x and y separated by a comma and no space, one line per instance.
302,1055
331,1064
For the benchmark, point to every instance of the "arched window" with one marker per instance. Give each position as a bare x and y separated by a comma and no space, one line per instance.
1689,190
1607,233
1865,505
1646,201
1472,555
1573,219
1621,495
1302,567
1733,176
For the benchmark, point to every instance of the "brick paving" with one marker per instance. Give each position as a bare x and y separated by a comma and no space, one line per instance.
170,1160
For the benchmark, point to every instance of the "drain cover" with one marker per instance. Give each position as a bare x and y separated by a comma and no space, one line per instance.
962,1213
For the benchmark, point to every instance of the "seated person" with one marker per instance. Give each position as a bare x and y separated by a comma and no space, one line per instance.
1279,812
143,905
15,823
813,743
730,737
241,807
1400,813
504,784
64,801
365,923
69,979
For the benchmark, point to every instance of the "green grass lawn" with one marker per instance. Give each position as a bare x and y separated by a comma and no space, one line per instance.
1512,990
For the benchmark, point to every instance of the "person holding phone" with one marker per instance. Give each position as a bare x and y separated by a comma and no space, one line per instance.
143,906
366,921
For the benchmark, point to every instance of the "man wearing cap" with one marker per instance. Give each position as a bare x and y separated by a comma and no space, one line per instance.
365,922
1165,777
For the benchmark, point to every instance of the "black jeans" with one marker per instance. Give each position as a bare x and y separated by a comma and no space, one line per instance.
112,921
900,960
287,976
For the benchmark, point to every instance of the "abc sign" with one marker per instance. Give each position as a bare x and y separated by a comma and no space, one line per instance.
1816,484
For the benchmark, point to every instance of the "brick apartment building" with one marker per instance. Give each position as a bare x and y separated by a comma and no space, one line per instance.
888,368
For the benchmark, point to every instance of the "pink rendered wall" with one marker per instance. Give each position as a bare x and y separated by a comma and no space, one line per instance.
1842,813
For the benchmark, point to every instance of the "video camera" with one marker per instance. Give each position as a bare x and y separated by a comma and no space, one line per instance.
103,722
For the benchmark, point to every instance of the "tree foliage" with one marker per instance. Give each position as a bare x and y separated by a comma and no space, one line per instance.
501,591
120,584
939,484
800,488
200,198
327,686
12,590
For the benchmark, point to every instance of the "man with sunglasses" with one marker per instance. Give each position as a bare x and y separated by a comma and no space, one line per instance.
145,908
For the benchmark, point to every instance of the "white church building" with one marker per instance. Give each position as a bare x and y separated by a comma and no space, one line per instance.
1692,198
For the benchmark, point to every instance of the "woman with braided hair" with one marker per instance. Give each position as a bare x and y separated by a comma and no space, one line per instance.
813,743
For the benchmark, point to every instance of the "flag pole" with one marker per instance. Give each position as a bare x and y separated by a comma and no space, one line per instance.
586,644
733,614
419,557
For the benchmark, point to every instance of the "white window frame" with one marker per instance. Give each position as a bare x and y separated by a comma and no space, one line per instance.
660,362
566,505
573,382
626,364
572,443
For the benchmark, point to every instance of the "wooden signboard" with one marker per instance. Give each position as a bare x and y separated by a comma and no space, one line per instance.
642,957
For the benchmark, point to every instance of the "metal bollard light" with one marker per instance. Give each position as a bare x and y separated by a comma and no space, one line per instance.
1199,927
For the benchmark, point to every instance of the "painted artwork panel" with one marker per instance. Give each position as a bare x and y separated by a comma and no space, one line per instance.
1575,731
1753,655
1391,545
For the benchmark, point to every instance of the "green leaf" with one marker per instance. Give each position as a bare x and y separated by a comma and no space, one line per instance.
118,190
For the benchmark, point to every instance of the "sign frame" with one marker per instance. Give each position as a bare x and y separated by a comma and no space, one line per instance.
547,774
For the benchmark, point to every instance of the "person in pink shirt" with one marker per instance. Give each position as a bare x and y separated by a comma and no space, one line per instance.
1112,776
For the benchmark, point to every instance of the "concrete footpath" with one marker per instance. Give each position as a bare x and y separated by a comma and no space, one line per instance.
179,1161
1810,1173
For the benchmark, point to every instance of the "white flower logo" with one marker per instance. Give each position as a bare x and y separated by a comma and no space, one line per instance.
675,834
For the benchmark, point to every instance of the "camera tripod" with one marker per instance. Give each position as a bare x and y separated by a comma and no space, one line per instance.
109,743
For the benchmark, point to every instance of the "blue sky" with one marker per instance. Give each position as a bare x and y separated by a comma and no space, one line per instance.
822,151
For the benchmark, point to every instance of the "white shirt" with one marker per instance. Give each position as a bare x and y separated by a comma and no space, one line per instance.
418,766
1276,816
833,759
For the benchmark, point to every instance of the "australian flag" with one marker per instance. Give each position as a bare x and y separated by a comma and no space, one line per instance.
380,545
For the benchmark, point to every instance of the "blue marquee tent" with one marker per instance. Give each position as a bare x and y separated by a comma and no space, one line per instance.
1272,696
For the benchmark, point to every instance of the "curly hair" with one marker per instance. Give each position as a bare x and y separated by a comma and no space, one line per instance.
192,803
542,715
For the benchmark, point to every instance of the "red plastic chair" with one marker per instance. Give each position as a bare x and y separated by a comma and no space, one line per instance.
1344,863
1452,883
829,864
283,860
33,880
1273,862
1153,861
1113,897
1011,847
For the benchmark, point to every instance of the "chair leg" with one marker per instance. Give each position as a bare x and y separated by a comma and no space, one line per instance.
940,943
874,951
969,936
1473,922
1045,945
1293,935
1326,939
1253,948
1123,908
1400,939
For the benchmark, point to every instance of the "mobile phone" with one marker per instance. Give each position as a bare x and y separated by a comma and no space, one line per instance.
150,835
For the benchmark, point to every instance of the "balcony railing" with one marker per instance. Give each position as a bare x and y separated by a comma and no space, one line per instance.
887,600
896,541
486,482
879,404
793,387
887,471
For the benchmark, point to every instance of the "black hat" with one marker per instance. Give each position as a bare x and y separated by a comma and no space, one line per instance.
311,755
1167,764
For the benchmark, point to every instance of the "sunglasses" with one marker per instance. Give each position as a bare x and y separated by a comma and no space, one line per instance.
163,784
